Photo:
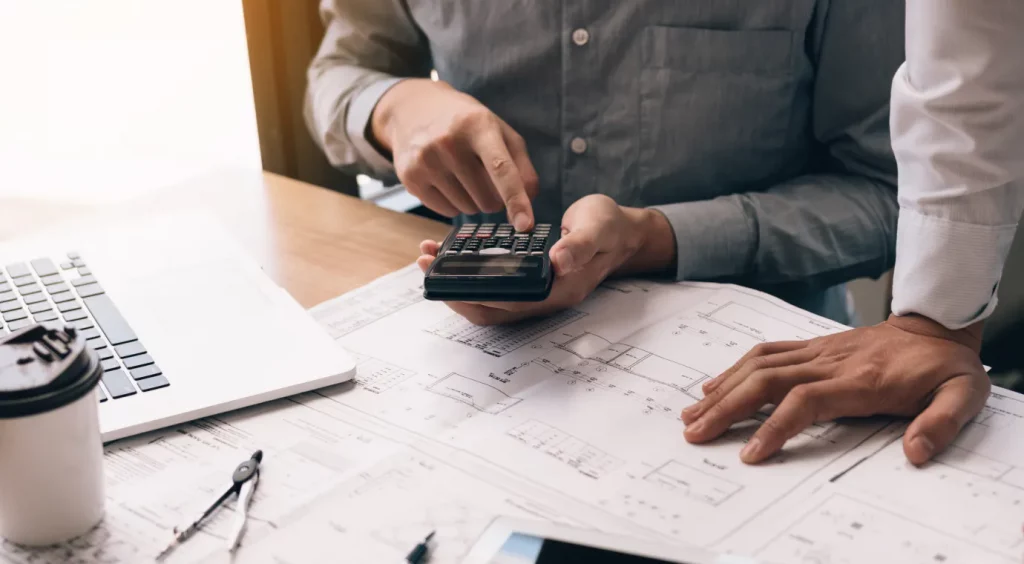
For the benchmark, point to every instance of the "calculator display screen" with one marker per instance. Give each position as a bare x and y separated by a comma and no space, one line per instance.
489,266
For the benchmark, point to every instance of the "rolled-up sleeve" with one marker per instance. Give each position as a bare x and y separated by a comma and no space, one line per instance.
817,230
368,46
958,135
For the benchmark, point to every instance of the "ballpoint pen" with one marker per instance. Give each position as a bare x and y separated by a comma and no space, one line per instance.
243,482
420,553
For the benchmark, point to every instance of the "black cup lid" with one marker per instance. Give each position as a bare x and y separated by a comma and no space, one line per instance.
44,367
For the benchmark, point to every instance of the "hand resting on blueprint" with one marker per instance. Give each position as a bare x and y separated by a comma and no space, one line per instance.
906,366
599,238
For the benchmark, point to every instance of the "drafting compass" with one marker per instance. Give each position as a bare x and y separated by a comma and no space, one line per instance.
243,483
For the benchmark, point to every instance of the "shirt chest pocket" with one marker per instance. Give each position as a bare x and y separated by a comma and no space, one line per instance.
715,109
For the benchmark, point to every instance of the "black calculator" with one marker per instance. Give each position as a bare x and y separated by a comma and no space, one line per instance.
491,262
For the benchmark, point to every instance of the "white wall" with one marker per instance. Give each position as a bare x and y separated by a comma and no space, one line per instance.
102,100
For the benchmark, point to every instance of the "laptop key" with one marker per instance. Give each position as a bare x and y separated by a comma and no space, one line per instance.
110,364
35,298
90,334
133,348
82,324
61,297
15,315
84,271
97,344
8,297
118,384
154,383
105,353
20,324
27,289
83,281
146,372
69,306
137,361
66,266
79,263
45,316
110,320
18,269
74,255
9,306
89,290
39,308
57,288
44,267
5,287
51,279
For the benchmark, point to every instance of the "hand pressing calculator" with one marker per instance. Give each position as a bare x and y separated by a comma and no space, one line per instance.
491,262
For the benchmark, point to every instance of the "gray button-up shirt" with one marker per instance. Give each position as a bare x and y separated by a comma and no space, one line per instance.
759,128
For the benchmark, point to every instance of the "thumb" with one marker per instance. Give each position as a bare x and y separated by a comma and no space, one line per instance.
576,248
955,403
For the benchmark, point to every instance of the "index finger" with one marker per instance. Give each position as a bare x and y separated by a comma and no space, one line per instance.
506,177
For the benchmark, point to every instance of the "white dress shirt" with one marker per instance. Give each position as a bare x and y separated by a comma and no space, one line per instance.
957,122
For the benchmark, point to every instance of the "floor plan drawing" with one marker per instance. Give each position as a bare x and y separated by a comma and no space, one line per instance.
634,360
584,457
377,376
694,483
499,341
844,530
482,397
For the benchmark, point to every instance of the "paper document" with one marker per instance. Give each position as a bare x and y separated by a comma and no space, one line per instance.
574,419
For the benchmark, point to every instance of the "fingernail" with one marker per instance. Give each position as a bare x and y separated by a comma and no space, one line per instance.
521,222
710,385
696,427
923,444
752,450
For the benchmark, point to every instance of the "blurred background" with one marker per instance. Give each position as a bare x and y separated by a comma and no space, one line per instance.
105,100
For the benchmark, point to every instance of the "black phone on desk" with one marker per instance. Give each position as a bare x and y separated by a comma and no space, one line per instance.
491,262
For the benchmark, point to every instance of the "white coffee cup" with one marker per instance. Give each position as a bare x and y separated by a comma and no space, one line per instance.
51,453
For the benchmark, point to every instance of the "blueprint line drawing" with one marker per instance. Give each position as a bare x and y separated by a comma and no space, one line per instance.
478,395
577,453
636,361
979,465
749,321
499,341
866,534
693,483
377,376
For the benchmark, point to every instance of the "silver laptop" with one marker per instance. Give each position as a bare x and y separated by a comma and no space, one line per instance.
186,325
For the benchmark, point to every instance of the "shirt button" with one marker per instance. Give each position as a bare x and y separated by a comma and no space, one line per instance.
578,145
580,37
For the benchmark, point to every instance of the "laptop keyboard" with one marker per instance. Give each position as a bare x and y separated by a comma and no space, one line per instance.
43,291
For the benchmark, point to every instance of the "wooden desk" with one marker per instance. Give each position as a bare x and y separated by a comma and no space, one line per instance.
313,242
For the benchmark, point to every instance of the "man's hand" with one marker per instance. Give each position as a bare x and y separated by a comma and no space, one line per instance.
599,238
454,154
906,366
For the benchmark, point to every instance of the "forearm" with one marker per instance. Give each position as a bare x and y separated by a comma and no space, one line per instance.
815,230
368,46
958,133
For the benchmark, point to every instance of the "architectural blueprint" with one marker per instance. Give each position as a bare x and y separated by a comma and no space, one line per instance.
573,419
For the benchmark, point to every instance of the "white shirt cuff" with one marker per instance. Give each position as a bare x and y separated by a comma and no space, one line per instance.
948,271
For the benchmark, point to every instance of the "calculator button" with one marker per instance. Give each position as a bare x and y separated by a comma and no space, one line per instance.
536,252
450,252
461,235
495,251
